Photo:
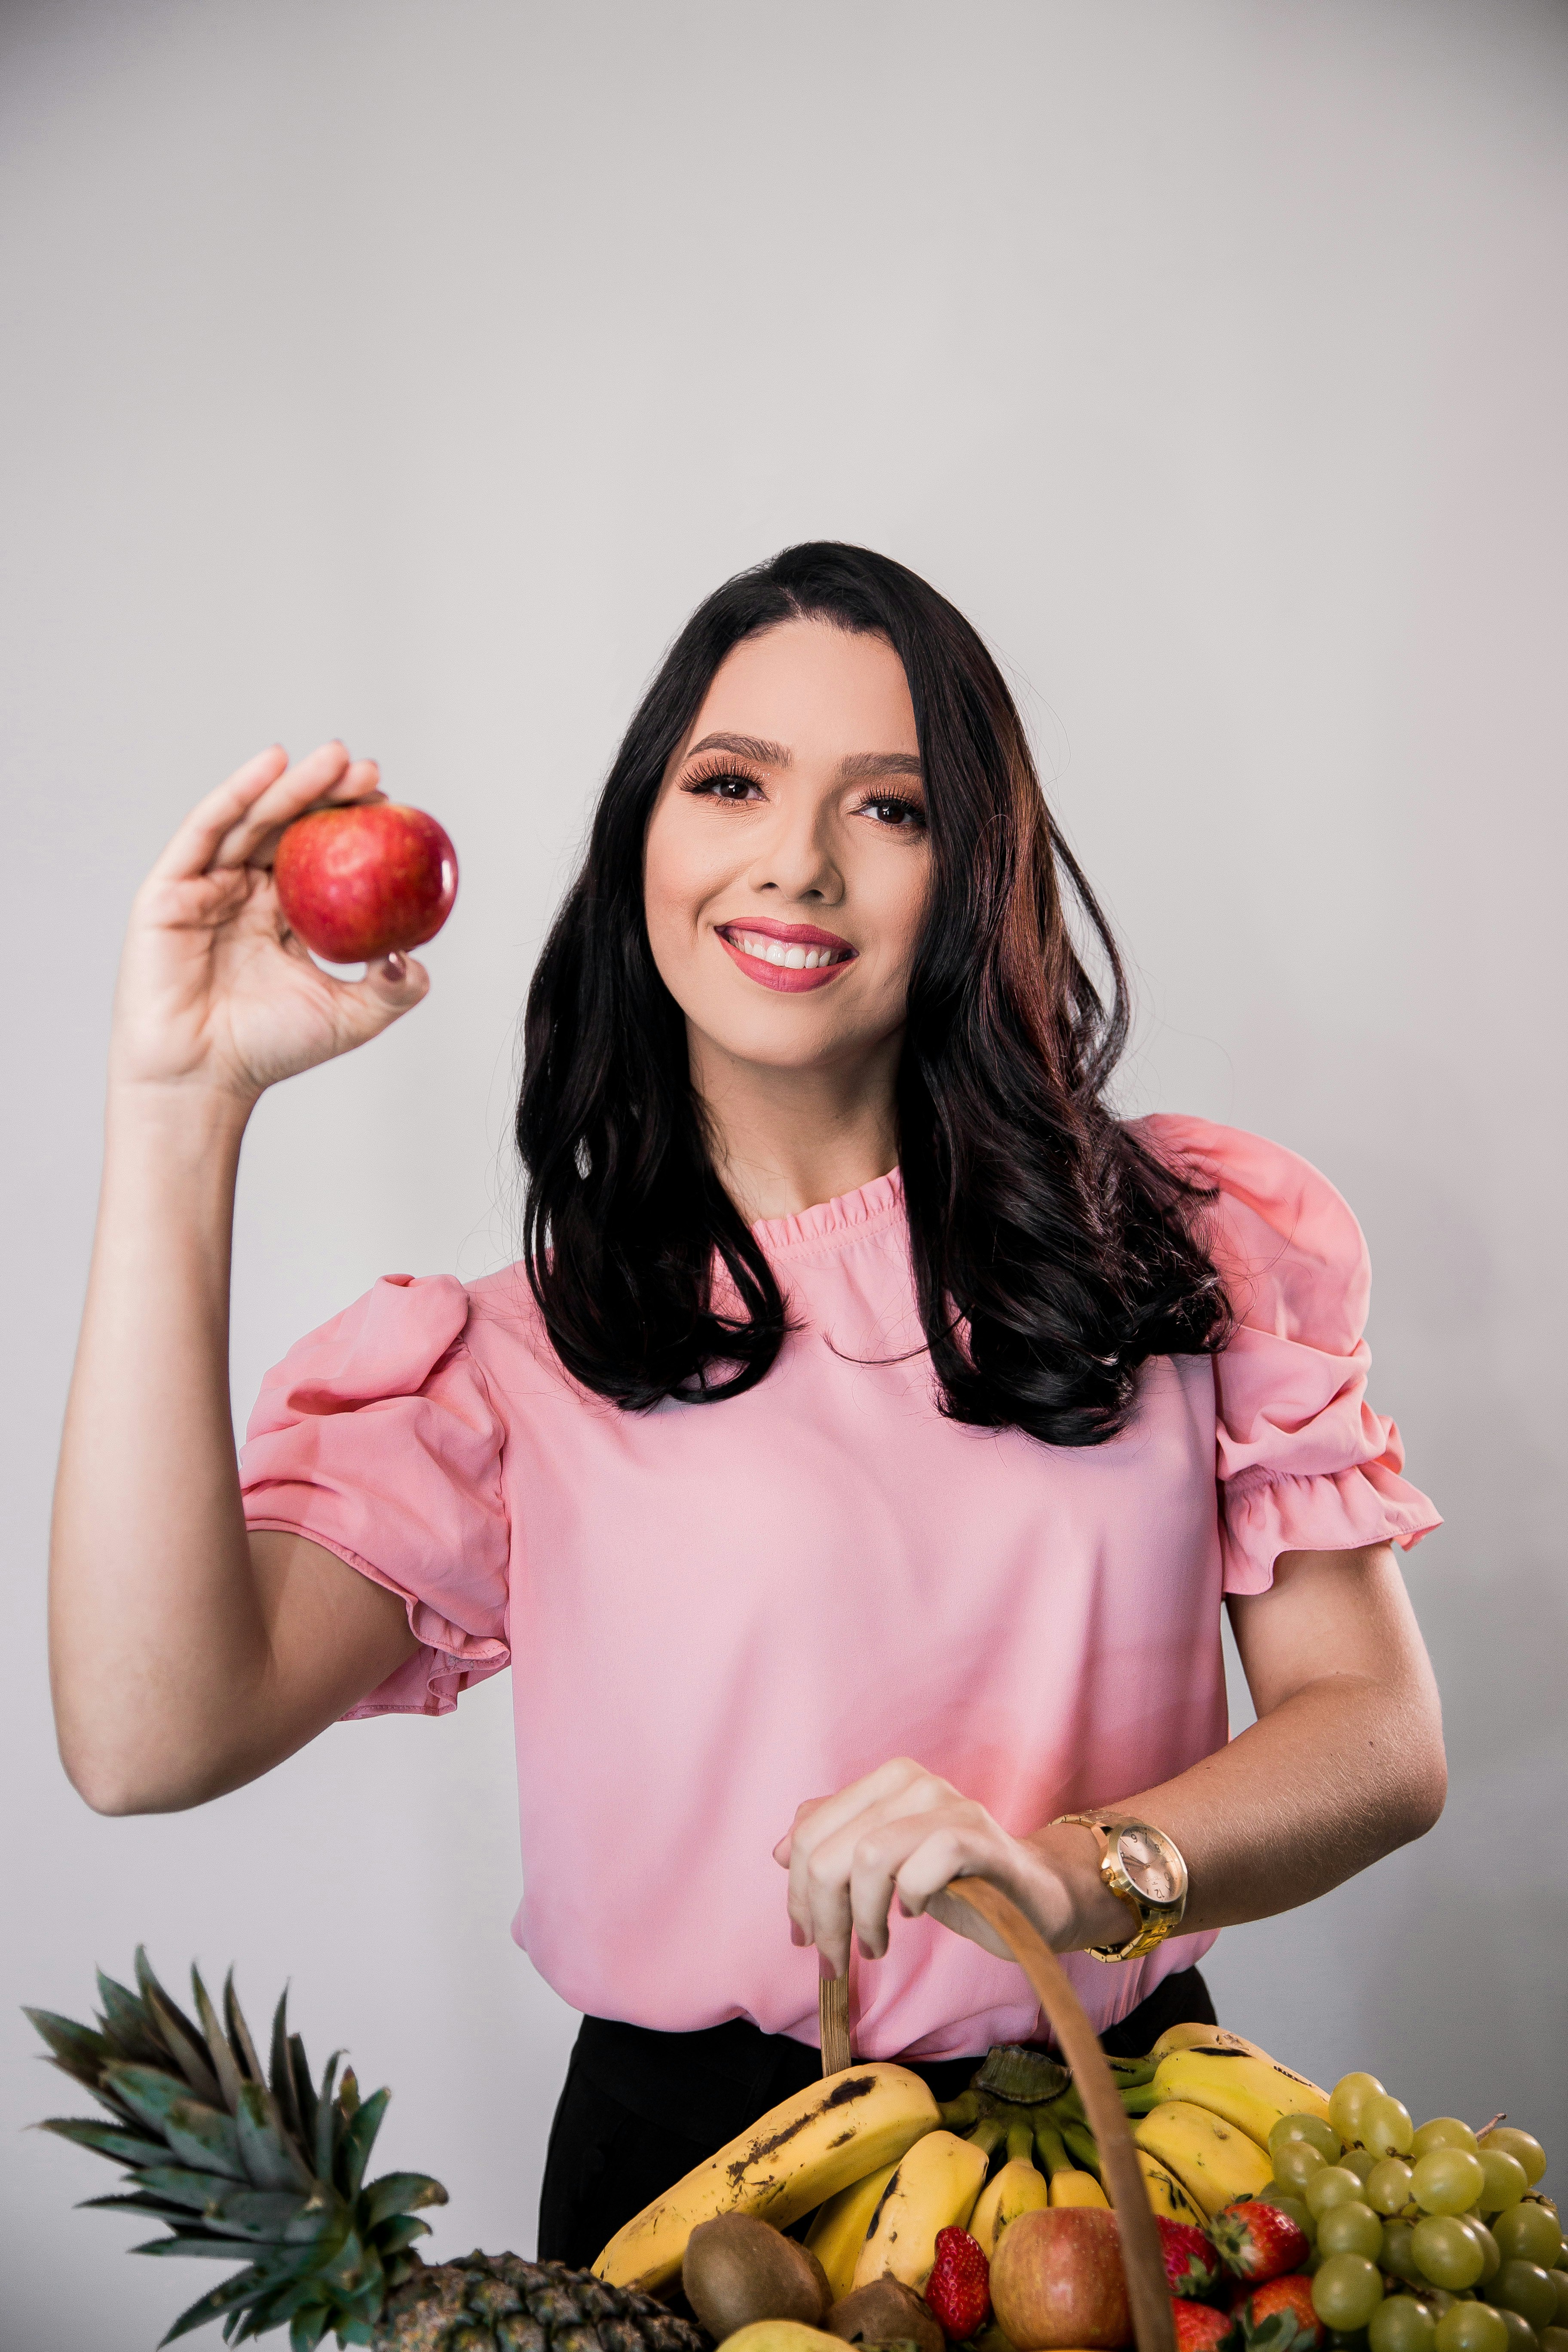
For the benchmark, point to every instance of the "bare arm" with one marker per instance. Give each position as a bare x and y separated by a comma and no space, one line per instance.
186,1656
1344,1763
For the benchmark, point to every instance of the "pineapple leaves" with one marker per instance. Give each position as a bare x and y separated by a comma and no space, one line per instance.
244,2288
269,2156
365,2122
231,2082
76,2050
398,2193
263,2169
394,2237
125,2023
327,2120
199,2136
123,2147
239,2033
281,2074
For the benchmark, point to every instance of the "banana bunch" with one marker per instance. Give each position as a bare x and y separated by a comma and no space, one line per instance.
882,2168
810,2147
1202,2108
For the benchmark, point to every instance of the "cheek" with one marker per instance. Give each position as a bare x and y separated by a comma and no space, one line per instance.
679,876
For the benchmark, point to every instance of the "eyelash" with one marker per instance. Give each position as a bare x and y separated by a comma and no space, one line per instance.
702,779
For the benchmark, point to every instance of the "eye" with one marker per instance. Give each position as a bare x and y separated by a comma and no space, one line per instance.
728,785
894,813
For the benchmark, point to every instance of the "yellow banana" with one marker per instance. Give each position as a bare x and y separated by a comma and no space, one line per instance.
839,2232
1165,2192
1018,2187
1072,2187
1250,2093
796,2155
1204,2037
933,2188
1213,2160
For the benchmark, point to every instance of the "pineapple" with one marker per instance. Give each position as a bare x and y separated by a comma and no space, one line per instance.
267,2168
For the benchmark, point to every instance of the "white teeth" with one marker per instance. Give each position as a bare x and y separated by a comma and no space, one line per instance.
774,952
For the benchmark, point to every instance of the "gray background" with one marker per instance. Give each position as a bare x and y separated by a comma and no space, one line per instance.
408,372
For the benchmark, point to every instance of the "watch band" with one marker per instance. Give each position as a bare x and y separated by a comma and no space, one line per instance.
1154,1921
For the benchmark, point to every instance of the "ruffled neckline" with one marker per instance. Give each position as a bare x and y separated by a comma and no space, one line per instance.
839,1220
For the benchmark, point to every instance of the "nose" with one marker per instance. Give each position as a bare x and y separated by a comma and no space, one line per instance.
796,861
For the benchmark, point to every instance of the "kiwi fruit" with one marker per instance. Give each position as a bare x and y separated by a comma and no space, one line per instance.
886,2311
738,2270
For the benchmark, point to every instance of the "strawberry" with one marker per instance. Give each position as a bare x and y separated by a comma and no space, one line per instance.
1198,2327
1258,2240
1277,2316
958,2291
1191,2268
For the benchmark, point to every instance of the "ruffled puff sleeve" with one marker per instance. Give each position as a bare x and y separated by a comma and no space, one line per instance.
1304,1463
377,1438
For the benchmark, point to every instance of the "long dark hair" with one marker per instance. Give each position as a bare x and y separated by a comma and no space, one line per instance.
1052,1254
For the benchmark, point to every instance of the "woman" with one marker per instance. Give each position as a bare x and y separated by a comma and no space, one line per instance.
868,1436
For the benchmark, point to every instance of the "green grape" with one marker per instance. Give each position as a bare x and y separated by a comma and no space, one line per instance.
1447,2180
1318,2135
1387,2186
1504,2182
1346,2100
1443,2131
1526,2288
1554,2340
1359,2160
1397,2257
1560,2281
1528,2232
1333,2186
1346,2291
1471,2327
1401,2324
1521,2336
1523,2146
1347,2339
1385,2126
1488,2247
1350,2228
1295,2163
1446,2253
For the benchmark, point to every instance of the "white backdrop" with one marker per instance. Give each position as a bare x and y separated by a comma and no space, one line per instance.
408,371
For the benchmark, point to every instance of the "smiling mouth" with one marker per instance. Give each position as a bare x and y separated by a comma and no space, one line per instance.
790,957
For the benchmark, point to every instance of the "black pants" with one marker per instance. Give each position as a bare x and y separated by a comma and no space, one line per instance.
639,2109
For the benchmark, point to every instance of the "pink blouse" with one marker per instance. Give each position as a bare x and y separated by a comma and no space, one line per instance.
713,1612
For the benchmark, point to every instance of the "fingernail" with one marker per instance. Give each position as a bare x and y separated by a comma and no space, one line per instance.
394,966
797,1934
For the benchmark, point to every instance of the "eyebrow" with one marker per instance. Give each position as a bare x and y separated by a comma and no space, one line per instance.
745,747
878,763
851,770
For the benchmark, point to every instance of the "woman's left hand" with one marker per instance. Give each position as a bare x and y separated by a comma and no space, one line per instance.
904,1831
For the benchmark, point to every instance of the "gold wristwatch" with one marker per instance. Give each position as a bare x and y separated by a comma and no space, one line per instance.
1144,1869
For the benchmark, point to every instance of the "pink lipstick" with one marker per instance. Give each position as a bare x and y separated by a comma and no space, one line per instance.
789,957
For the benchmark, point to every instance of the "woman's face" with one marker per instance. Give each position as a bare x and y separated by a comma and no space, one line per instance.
788,863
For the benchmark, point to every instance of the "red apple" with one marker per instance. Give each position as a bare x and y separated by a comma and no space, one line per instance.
1057,2279
360,882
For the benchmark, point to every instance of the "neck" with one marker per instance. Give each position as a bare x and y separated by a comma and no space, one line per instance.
784,1140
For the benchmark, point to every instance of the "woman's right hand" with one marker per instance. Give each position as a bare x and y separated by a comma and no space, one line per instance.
215,991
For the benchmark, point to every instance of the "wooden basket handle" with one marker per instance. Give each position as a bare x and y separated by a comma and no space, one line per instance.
1141,2255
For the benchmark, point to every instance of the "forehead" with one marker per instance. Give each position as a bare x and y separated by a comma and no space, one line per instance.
816,689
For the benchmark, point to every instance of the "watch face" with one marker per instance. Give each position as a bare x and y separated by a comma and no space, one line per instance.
1147,1866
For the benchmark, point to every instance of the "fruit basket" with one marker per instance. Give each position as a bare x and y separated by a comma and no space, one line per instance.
1200,2198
